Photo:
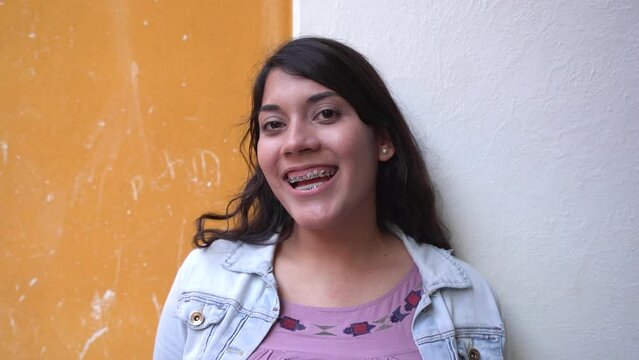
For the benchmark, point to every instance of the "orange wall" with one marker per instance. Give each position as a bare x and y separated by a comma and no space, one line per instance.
117,129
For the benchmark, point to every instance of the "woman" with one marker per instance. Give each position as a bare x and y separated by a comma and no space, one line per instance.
336,249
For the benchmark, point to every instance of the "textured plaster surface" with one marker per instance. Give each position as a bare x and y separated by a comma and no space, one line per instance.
528,112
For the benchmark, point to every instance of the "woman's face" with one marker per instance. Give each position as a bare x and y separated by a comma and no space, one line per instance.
318,157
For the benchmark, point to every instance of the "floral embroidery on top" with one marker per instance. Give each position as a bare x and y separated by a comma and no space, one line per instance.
359,328
397,315
291,324
412,300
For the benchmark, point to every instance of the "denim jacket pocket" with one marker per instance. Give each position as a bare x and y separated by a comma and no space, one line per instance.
208,322
480,343
198,314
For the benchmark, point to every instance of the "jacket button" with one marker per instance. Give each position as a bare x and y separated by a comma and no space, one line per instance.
196,318
474,354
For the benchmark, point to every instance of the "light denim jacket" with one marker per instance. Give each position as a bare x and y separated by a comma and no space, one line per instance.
224,301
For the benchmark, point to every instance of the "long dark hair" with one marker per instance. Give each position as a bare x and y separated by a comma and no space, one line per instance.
405,195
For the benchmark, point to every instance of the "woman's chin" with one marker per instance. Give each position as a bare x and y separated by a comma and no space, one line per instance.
315,221
311,224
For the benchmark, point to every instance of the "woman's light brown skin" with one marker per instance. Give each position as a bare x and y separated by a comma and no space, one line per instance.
336,255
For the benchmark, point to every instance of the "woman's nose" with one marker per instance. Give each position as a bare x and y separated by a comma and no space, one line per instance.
301,137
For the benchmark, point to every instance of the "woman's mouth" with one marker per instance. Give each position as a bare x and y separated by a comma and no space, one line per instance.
310,179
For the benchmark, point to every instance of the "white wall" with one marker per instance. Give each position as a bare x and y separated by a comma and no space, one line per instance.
529,114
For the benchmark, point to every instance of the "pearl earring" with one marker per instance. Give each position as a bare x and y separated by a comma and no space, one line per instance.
384,150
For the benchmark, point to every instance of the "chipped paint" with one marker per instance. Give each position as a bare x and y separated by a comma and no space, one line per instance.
4,148
100,304
91,340
91,112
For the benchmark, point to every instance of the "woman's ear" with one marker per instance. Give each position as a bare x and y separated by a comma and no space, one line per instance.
385,146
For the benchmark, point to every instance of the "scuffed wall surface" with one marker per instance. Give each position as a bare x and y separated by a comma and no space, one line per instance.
529,115
117,129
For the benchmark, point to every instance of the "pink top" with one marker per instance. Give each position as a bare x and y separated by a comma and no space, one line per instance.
380,329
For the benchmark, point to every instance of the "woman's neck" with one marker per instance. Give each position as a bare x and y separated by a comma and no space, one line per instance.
340,266
342,246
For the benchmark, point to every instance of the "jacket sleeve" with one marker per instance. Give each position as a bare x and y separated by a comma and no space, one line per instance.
171,332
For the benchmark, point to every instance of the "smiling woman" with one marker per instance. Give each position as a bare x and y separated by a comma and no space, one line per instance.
337,249
318,157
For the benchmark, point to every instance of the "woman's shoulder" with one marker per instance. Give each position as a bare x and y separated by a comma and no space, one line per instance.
462,287
476,301
440,269
479,291
223,260
456,273
210,256
463,302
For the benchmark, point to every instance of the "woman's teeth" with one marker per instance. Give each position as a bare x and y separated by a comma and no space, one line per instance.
309,187
304,182
311,175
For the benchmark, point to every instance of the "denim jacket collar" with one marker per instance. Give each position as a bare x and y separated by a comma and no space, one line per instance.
252,258
437,267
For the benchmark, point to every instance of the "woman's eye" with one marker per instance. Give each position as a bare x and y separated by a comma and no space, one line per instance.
272,125
327,114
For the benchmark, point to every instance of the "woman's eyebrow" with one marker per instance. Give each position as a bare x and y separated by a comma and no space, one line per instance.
311,100
323,95
269,107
